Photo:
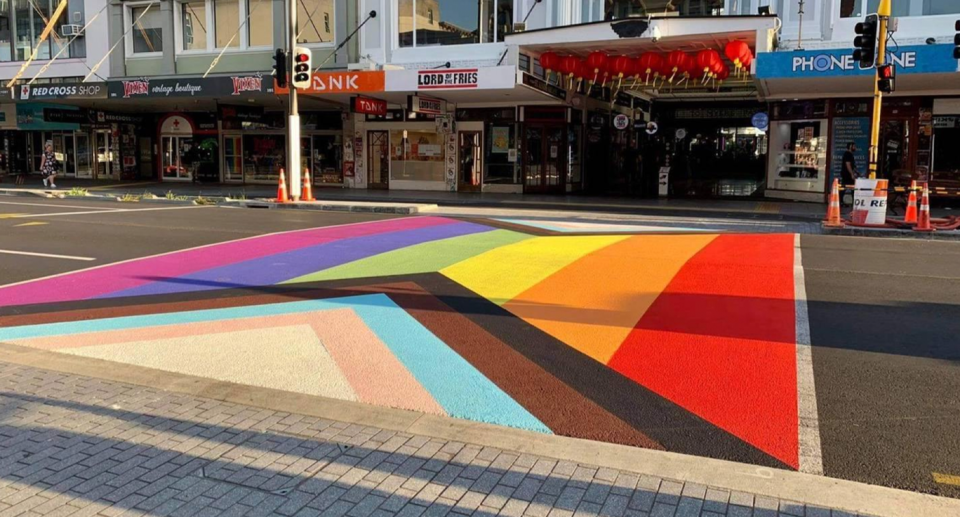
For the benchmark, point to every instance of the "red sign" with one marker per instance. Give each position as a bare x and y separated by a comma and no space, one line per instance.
247,84
369,106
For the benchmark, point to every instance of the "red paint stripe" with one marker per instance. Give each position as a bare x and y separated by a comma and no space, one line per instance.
720,341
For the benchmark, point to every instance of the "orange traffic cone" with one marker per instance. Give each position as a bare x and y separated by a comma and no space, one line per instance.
282,188
306,191
923,223
911,215
833,210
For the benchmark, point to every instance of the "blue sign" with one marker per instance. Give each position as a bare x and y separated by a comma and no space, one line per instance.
805,64
761,121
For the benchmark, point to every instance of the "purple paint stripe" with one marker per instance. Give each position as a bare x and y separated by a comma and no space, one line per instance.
285,266
97,282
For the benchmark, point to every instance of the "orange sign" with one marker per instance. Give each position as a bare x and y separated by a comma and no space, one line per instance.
343,82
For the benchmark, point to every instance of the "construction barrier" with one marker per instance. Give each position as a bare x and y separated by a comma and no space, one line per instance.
282,188
870,202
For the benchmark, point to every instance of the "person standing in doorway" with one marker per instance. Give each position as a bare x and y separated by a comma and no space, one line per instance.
848,169
48,165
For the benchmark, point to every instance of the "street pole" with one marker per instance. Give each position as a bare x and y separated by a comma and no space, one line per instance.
293,115
883,13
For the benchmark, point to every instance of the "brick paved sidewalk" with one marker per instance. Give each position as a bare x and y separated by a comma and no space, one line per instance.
73,445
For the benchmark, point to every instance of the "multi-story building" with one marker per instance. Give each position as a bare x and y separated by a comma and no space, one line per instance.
55,65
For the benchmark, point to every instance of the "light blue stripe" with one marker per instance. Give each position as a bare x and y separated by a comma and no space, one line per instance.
454,383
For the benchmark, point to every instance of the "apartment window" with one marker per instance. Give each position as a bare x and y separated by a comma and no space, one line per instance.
29,20
933,7
312,16
210,25
619,9
6,43
146,36
900,8
426,23
851,8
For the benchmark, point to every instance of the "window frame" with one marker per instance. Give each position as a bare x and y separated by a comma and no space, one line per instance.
128,19
396,25
211,36
333,27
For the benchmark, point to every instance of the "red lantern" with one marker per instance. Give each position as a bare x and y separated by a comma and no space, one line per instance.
569,66
549,61
707,61
677,63
650,63
619,67
736,51
597,62
583,72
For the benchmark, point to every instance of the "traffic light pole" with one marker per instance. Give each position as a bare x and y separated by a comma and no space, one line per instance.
293,114
883,13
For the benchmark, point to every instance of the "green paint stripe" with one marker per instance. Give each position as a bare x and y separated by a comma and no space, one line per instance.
428,257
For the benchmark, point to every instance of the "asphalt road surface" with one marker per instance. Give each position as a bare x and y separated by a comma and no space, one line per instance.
884,319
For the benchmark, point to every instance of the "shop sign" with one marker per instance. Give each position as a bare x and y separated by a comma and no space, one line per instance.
223,86
760,121
652,128
247,113
63,91
369,106
105,117
663,182
427,105
946,122
176,125
846,130
913,59
681,134
69,116
32,116
343,82
621,121
485,78
545,87
714,113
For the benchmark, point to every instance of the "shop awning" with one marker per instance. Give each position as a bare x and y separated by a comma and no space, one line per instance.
661,35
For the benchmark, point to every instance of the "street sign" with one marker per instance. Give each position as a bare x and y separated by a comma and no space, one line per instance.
652,128
621,121
761,121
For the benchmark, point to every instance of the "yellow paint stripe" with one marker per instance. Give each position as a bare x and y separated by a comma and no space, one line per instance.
11,216
35,223
501,274
946,479
594,303
122,185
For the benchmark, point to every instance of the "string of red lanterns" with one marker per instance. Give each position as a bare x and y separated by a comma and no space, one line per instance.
673,68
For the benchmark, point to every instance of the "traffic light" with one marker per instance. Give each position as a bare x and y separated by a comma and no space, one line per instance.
280,68
301,68
866,41
956,41
887,78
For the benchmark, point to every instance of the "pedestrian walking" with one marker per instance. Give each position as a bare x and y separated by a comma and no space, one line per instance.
48,166
848,167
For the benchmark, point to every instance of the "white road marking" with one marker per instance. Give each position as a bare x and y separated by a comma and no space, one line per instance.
46,255
113,211
54,205
811,457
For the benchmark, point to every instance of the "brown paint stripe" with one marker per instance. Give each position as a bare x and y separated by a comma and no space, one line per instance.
560,407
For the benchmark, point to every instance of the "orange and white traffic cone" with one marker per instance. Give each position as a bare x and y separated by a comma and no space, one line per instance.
911,215
923,222
282,188
833,210
306,191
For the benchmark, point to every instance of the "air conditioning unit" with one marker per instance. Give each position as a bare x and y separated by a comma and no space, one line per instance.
70,29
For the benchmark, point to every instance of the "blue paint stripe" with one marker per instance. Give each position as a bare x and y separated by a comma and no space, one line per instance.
462,390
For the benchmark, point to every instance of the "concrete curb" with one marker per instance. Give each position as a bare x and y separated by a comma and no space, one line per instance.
852,231
15,192
794,486
338,206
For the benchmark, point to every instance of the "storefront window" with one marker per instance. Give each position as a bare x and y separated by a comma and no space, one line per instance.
313,21
418,157
799,155
498,168
232,158
946,152
147,34
327,159
263,155
932,7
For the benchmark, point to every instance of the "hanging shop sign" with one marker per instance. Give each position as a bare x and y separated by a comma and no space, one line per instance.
621,121
32,115
806,64
426,105
484,78
29,92
343,82
369,106
760,121
64,115
106,117
221,87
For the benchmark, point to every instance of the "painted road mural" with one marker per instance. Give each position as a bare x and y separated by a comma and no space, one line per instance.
690,341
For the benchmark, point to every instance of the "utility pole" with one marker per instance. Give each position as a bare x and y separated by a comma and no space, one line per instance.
883,13
293,115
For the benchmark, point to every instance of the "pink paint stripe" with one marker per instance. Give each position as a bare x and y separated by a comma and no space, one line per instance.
373,372
99,281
